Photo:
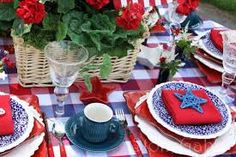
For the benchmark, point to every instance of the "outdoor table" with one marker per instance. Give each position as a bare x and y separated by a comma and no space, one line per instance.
141,78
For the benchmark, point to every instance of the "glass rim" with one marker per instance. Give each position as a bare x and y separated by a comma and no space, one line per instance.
84,58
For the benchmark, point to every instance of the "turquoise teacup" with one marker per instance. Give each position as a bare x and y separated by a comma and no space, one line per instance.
97,123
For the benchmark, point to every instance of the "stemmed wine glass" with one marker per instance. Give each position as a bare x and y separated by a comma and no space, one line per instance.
229,64
65,59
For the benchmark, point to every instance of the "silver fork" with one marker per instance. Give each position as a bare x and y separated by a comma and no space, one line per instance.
120,115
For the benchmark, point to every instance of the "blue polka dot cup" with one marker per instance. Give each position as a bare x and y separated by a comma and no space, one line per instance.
97,123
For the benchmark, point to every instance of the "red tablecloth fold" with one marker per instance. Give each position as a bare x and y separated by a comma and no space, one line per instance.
189,116
6,121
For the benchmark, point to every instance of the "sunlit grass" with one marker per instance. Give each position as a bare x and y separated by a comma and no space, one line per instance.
228,5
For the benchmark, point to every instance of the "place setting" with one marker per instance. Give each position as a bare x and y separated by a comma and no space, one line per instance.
22,127
188,117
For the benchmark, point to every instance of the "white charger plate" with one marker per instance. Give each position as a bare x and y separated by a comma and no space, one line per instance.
27,148
209,63
221,145
161,115
23,123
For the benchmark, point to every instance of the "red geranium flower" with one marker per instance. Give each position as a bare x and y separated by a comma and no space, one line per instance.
7,62
162,60
187,6
31,11
131,17
98,4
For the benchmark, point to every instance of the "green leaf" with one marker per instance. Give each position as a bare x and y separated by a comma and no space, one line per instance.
20,27
118,51
15,3
51,21
61,31
87,82
1,69
88,67
65,5
7,12
106,67
4,26
73,20
38,34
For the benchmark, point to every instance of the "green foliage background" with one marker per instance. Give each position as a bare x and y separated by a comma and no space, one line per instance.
228,5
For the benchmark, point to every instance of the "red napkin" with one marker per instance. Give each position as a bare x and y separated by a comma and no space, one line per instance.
216,38
212,76
190,116
7,124
202,145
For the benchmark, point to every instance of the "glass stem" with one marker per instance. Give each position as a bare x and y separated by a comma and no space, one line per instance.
61,94
227,79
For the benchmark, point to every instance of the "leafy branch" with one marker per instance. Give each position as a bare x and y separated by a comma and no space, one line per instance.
172,66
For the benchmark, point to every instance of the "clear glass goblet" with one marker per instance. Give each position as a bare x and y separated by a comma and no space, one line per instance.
172,16
65,59
229,63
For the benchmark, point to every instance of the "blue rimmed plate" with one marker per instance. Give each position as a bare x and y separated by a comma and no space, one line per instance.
207,45
113,141
159,112
23,124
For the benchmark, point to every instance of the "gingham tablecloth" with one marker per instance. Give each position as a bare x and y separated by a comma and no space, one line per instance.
141,79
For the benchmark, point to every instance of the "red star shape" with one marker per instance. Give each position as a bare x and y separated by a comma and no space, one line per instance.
99,92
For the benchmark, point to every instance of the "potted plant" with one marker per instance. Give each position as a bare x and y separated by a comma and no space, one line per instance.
108,34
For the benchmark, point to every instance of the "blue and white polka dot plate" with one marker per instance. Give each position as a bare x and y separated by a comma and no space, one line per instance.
23,125
159,112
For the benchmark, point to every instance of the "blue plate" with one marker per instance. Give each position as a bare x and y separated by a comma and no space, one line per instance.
113,141
210,48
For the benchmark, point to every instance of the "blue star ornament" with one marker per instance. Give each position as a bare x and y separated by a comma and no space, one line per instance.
191,100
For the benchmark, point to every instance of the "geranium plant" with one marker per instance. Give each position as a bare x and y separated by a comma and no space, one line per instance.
91,23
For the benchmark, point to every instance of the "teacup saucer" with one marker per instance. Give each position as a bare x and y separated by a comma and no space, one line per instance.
113,141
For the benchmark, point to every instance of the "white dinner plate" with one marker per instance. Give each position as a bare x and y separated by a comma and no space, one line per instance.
23,124
27,148
207,131
221,145
209,63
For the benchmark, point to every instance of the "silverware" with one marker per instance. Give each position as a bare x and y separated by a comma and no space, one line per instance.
58,130
120,115
47,137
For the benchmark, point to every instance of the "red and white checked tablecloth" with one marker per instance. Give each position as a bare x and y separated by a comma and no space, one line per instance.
141,79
